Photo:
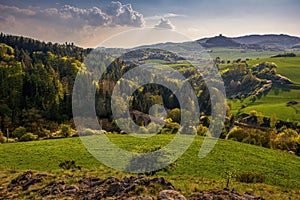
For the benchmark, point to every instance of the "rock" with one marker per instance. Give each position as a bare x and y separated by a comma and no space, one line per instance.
170,195
128,188
30,182
142,181
74,188
25,180
114,189
163,182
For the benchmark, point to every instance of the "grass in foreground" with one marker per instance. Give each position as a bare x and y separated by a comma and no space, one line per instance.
188,173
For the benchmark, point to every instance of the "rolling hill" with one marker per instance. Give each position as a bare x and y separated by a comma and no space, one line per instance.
280,169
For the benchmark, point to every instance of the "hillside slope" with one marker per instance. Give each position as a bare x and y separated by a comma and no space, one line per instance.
278,167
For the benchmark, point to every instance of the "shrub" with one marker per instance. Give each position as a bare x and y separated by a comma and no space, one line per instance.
175,115
46,133
170,128
28,137
166,131
69,165
19,132
2,138
52,126
202,130
250,136
288,140
237,134
65,130
249,177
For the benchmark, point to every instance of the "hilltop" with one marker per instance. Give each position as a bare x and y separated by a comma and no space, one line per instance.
219,41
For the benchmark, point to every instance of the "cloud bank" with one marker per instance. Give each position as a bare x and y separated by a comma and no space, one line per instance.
116,14
85,27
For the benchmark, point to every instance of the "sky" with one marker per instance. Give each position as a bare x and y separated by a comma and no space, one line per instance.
88,23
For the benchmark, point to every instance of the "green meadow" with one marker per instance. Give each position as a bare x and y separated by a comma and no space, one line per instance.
281,170
287,66
274,102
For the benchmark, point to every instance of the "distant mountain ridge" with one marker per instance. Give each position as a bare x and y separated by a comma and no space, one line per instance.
282,39
250,40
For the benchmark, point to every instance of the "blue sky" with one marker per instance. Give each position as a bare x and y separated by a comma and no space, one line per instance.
89,22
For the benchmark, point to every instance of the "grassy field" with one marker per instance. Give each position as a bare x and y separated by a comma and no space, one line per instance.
188,173
272,103
234,54
275,101
288,66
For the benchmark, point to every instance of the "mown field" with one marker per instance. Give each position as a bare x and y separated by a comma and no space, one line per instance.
189,173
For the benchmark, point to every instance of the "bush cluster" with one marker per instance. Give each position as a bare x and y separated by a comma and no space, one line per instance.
65,130
28,137
286,139
250,136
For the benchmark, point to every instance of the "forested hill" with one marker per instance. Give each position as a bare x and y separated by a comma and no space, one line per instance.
30,45
36,80
36,84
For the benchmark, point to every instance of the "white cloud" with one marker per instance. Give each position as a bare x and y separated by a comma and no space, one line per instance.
165,24
15,10
116,14
125,15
